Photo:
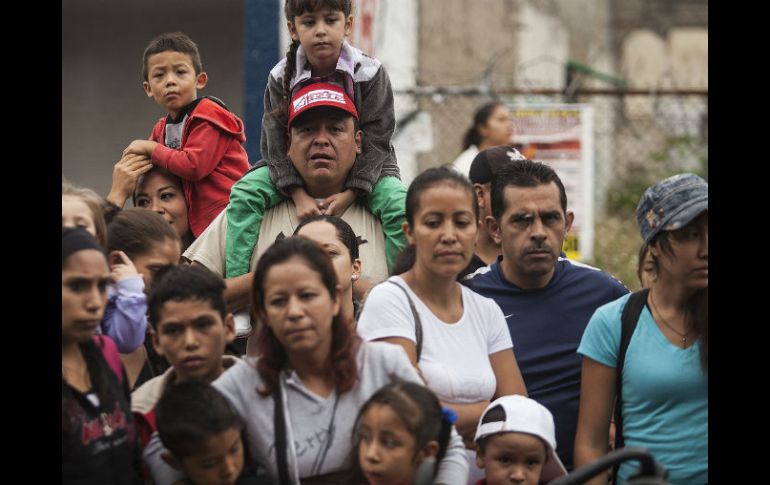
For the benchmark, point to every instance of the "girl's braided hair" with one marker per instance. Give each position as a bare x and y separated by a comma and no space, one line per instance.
292,9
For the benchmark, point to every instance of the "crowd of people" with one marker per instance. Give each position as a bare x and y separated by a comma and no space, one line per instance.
306,318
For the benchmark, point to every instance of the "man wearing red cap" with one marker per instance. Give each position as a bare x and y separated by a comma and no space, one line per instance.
272,182
324,140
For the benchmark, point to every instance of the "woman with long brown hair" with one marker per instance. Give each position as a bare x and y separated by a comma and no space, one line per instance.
300,394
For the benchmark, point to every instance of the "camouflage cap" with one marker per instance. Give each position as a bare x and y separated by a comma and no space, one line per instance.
671,204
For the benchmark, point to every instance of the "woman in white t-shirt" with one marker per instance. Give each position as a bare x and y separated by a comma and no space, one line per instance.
466,356
492,126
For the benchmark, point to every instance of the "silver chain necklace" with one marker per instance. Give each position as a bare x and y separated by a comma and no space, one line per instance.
663,320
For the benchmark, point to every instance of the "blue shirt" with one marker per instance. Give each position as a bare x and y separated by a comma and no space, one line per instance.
125,316
546,326
665,393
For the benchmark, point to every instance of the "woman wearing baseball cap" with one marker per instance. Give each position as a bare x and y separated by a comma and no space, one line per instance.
664,381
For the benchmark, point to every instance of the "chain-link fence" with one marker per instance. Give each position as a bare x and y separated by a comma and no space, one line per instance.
638,137
653,133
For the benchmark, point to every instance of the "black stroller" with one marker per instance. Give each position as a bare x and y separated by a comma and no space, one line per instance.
649,473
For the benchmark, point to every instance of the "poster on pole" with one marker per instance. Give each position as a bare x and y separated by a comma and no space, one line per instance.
561,135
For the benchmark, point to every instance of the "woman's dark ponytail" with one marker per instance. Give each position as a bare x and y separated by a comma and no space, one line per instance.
472,137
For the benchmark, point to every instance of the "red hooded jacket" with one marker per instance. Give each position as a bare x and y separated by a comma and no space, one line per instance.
210,160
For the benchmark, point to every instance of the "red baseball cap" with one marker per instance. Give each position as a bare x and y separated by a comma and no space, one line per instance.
320,94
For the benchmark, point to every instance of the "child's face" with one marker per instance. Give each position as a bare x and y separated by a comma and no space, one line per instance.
219,461
192,335
321,34
386,449
161,254
75,213
172,81
513,458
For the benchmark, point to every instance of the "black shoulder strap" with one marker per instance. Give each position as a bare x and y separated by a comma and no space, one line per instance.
217,101
417,323
280,437
628,319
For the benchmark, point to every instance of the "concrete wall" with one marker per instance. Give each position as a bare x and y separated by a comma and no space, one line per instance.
103,104
460,40
421,42
652,44
543,47
387,30
659,16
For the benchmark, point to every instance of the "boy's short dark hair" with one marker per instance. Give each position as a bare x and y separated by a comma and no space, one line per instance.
190,412
175,42
495,414
185,282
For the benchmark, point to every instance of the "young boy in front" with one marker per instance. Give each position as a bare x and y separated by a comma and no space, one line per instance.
200,140
191,326
517,443
201,433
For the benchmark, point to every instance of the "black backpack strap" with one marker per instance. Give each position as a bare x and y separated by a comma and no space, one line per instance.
417,323
280,437
628,319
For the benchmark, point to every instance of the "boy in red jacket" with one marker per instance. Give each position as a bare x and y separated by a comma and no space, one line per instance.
200,140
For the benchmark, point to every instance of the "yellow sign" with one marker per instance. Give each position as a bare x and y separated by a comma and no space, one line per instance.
571,247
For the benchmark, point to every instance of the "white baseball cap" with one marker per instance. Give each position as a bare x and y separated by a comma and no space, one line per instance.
525,415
